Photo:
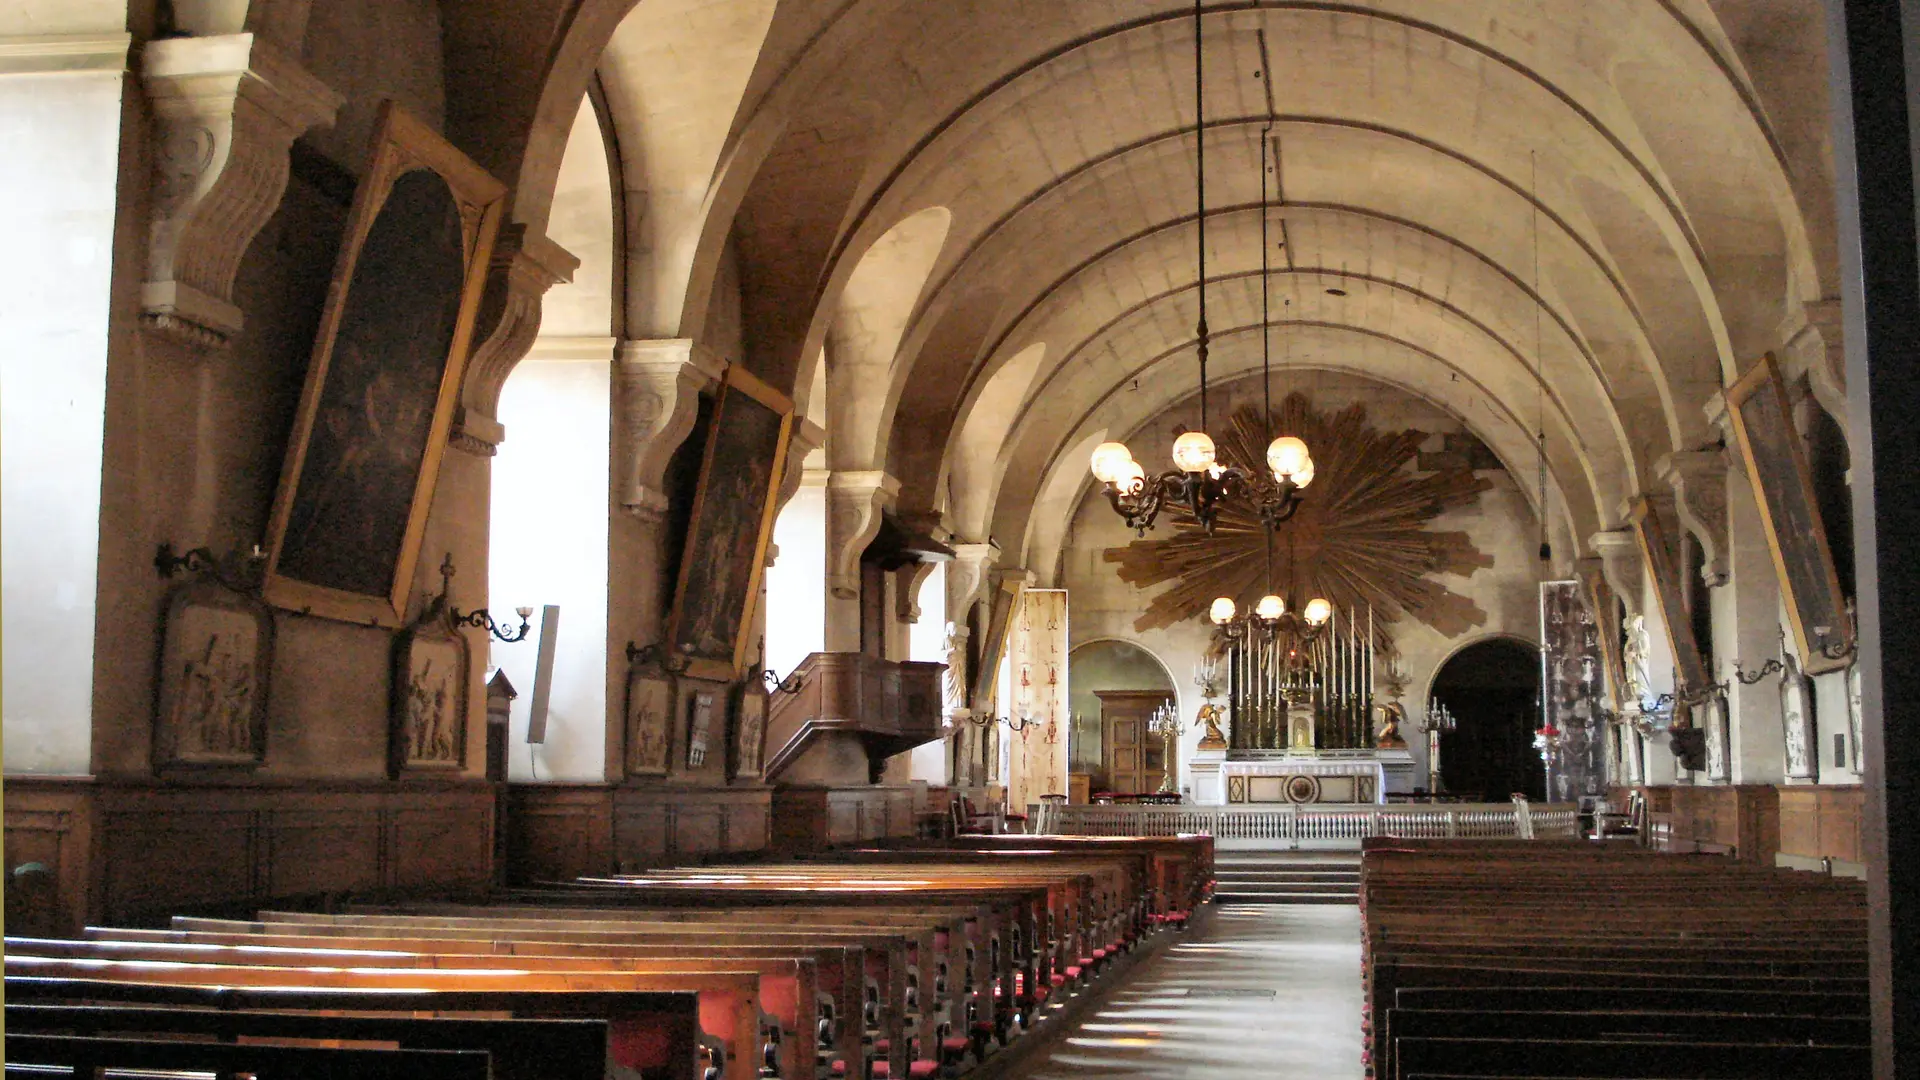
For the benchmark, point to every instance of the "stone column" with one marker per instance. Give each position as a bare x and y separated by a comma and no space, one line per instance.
1746,626
856,499
656,400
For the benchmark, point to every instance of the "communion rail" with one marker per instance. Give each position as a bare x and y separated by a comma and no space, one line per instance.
1296,823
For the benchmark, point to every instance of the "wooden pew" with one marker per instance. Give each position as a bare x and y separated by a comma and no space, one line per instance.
87,1055
728,1005
516,1049
1491,959
656,1032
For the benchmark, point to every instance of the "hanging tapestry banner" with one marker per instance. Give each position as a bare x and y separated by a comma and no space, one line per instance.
1037,653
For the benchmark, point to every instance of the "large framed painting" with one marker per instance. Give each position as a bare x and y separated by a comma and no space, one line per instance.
383,380
1661,553
711,622
1777,464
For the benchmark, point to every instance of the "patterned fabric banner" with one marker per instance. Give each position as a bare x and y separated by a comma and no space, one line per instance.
1037,651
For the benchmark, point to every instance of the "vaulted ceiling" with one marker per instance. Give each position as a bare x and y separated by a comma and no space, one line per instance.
980,216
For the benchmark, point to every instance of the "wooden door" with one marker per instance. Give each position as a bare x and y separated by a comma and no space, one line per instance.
1132,757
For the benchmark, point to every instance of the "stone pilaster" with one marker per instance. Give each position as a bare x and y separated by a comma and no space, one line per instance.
226,109
657,387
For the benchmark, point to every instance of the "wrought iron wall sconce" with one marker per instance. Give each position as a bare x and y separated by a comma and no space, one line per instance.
481,619
671,663
777,685
236,572
1021,724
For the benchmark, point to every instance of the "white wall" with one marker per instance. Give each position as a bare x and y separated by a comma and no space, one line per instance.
549,546
796,582
927,640
53,381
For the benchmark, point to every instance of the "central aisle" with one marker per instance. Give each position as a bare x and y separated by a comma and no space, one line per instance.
1265,991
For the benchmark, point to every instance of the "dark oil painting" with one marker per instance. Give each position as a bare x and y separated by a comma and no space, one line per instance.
348,522
1783,483
726,540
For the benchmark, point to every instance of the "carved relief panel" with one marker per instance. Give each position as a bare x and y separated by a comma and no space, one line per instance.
214,666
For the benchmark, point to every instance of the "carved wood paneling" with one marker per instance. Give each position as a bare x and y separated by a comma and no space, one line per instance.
1743,817
809,818
1822,822
560,831
129,852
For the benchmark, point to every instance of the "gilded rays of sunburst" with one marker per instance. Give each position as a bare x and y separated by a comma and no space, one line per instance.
1360,537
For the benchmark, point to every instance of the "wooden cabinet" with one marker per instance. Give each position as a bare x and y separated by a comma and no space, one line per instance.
1133,759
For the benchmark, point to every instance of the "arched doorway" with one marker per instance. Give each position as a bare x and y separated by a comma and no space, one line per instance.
1113,686
1492,688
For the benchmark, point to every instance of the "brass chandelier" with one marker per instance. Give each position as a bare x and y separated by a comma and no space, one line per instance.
1198,482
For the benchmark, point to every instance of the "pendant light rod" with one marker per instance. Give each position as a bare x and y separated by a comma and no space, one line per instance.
1200,169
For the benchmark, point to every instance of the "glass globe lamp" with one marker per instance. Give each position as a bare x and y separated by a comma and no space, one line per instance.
1130,478
1270,608
1318,611
1287,456
1221,612
1303,477
1193,452
1109,461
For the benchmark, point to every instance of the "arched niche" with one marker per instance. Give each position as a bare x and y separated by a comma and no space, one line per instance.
1492,689
1105,664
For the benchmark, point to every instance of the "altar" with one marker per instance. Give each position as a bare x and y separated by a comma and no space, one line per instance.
1243,777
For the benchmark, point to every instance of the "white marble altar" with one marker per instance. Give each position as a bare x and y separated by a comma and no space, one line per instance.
1239,777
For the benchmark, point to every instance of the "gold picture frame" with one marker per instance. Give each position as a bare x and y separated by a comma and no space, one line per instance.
1790,513
711,624
388,361
1657,547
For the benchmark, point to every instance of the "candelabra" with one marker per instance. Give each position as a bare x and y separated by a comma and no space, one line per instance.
1165,723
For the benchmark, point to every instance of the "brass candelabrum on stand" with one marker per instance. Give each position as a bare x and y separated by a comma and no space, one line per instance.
1165,723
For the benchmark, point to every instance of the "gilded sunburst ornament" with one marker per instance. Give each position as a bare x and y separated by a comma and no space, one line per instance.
1360,537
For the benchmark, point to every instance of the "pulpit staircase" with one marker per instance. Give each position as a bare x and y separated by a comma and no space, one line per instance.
1287,877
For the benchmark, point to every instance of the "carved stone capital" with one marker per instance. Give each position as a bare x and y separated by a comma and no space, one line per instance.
1699,482
856,500
967,577
523,267
657,387
225,110
1622,565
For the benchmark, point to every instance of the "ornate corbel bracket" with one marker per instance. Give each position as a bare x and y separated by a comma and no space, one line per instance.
856,499
1699,482
906,592
1622,565
523,267
806,438
657,387
967,577
1814,344
226,109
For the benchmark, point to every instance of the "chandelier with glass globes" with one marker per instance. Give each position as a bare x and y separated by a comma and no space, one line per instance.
1198,482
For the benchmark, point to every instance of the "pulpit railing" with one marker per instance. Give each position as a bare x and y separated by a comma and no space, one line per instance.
1296,823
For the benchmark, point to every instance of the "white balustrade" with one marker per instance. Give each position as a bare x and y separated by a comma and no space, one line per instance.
1318,823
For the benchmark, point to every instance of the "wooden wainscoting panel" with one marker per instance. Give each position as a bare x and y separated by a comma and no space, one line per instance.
448,845
160,857
653,826
315,850
1822,822
49,843
556,832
